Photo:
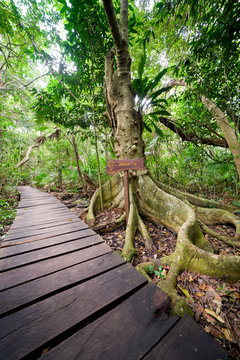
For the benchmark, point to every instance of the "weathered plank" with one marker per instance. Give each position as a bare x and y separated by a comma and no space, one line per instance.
28,210
33,271
26,246
32,232
187,341
127,332
28,329
68,228
25,259
44,225
48,218
38,203
32,291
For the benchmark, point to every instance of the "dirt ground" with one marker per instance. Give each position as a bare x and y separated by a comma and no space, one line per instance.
215,303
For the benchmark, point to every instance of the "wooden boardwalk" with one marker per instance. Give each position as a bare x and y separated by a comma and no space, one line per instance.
64,295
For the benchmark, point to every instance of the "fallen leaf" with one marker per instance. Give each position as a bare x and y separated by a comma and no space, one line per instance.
202,287
216,316
214,331
200,293
219,305
210,318
237,295
186,293
227,335
164,272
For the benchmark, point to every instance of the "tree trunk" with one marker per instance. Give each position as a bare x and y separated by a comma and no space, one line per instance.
193,252
77,161
228,131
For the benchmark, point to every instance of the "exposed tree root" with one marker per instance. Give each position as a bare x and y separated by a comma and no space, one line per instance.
193,252
226,239
194,200
105,228
218,216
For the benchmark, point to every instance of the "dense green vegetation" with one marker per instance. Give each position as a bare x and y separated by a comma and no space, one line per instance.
175,41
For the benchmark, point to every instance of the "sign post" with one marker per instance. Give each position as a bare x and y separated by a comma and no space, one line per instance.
115,166
126,193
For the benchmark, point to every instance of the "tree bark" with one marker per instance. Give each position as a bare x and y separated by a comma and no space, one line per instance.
77,161
124,120
228,131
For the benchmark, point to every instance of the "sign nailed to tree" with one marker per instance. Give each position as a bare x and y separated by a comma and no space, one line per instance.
114,166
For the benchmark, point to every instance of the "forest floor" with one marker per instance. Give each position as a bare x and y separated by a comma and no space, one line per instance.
215,303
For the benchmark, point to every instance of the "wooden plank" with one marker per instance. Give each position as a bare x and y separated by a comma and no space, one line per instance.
35,290
45,214
41,210
48,216
37,204
187,340
55,232
28,329
42,207
47,206
45,267
18,260
43,225
36,201
24,247
127,332
32,232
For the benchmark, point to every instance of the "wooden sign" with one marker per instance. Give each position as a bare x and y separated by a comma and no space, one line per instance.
114,166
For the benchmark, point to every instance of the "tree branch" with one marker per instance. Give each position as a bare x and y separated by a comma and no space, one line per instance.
39,141
39,77
190,136
124,19
113,22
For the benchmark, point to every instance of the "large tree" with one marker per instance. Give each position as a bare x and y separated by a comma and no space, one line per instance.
179,212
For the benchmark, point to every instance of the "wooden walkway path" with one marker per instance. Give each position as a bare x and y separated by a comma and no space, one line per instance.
64,294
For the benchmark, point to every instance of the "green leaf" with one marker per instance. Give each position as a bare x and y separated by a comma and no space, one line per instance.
147,127
158,131
186,293
160,112
141,64
150,269
137,86
157,78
